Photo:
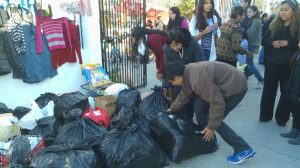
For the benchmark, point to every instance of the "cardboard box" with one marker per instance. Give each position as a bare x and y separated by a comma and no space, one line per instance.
8,131
107,103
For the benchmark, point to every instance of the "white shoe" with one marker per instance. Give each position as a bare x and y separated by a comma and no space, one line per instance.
259,85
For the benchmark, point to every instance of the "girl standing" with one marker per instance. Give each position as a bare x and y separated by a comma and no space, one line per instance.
176,20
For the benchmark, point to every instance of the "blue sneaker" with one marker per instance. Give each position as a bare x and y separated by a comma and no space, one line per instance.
241,156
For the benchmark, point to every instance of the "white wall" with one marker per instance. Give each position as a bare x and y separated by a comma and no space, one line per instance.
14,92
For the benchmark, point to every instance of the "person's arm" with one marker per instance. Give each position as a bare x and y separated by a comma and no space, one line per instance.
156,46
197,51
183,98
266,40
236,40
253,30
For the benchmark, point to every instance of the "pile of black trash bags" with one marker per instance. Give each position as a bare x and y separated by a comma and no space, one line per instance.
140,135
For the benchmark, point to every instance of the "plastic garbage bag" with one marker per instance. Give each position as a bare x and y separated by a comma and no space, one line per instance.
154,103
4,109
115,89
69,101
19,152
44,99
45,128
131,148
179,139
77,131
28,121
128,98
81,156
129,116
20,111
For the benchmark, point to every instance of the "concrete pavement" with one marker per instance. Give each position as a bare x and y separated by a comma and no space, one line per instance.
272,151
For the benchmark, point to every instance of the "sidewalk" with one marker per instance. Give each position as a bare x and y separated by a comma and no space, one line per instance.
272,151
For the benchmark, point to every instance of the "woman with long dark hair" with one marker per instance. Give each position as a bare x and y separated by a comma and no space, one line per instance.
155,40
204,25
280,42
254,27
181,46
176,20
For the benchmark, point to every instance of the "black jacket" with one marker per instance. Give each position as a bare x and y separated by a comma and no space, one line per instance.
9,59
284,54
293,84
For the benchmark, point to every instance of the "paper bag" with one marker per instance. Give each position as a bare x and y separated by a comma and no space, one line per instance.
107,103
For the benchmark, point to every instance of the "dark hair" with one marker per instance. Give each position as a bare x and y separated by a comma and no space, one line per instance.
263,16
278,23
179,35
177,21
249,2
139,33
201,21
236,11
172,69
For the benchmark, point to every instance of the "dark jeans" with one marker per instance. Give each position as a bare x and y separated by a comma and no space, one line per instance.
261,56
275,74
296,116
229,136
251,67
206,53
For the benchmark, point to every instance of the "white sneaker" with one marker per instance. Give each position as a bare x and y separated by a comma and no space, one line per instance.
259,85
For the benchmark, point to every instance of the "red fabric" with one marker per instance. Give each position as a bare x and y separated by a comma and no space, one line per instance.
99,116
156,43
38,147
68,54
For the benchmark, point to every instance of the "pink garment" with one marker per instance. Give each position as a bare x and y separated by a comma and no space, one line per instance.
40,20
86,7
53,31
185,24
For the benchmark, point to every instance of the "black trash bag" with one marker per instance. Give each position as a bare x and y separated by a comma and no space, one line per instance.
81,156
69,101
177,140
71,115
44,99
4,109
131,148
127,117
154,104
45,128
79,130
19,152
20,111
128,98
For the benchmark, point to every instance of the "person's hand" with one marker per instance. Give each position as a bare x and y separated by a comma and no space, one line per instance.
249,54
159,75
276,44
299,44
169,111
283,43
207,30
208,134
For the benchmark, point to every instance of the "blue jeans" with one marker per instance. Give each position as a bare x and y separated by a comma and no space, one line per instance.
261,56
251,67
206,53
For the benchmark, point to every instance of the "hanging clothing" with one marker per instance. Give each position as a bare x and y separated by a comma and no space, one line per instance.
16,33
53,32
3,17
68,54
9,59
37,66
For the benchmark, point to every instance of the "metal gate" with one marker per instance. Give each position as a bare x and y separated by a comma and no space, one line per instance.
117,17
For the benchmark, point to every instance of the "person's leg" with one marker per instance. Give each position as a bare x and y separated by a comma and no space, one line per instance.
293,133
282,114
252,67
230,137
296,125
261,56
269,92
206,53
201,112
